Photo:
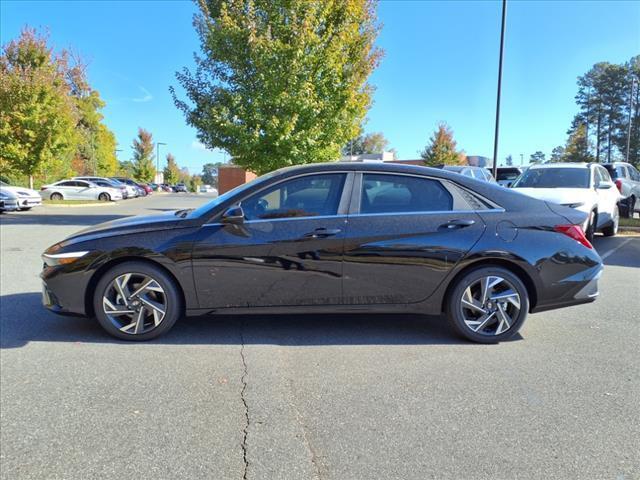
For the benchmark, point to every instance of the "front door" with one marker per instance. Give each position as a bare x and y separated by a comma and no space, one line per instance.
286,252
405,237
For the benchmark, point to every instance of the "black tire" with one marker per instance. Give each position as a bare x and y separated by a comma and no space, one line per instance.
456,313
612,230
56,196
630,208
104,197
25,209
591,226
173,300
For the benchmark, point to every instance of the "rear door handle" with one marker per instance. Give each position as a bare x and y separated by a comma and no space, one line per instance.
458,223
322,233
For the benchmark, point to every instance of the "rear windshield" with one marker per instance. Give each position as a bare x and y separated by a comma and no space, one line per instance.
554,178
508,174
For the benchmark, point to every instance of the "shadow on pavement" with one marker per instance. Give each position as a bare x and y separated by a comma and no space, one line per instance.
56,219
23,319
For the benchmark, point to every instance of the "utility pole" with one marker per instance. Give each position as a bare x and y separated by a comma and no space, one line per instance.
633,81
521,159
495,139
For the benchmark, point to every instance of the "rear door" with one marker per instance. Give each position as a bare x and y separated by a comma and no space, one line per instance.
404,235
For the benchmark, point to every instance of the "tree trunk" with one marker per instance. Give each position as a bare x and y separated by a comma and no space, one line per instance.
31,182
598,137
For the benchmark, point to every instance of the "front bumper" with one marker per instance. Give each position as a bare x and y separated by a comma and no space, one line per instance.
28,202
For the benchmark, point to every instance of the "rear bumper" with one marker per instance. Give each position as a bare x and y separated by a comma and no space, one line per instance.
583,289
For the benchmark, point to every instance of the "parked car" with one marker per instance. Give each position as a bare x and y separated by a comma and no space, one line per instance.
154,186
180,188
627,180
107,182
8,200
79,190
479,173
584,186
26,198
133,188
147,188
507,175
208,189
166,188
419,240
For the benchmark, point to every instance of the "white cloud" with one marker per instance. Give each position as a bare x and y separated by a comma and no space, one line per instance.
147,97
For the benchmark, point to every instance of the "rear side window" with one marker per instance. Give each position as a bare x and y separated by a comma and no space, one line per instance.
616,171
399,194
633,173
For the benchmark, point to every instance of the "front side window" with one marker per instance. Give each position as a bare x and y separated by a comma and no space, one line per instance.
555,177
307,196
397,193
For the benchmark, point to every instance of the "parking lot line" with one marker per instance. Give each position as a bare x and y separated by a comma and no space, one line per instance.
615,249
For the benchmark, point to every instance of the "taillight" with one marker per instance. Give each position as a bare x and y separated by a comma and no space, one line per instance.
42,189
619,185
575,232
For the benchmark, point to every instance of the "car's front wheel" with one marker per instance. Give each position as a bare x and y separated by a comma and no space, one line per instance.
137,301
488,305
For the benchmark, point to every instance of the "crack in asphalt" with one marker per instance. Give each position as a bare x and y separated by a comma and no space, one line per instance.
243,380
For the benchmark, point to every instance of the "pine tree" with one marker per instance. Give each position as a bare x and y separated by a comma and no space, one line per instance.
442,149
577,149
143,169
509,161
171,171
537,157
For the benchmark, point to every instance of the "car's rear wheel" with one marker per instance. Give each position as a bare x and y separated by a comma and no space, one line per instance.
488,305
104,197
137,301
612,229
56,196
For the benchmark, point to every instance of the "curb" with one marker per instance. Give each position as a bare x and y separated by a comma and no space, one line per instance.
80,205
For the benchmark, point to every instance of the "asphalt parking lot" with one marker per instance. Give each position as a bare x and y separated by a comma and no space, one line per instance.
318,397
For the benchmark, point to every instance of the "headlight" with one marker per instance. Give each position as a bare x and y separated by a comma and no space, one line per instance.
573,205
52,259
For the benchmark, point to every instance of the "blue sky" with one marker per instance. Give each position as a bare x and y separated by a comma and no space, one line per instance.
440,64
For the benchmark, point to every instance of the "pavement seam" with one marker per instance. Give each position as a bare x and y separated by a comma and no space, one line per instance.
243,381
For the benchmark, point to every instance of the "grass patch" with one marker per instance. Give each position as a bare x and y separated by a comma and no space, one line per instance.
70,202
629,222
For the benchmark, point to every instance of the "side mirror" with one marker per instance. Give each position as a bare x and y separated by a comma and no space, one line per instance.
604,186
234,216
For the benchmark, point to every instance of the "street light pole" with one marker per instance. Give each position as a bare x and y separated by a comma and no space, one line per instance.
495,138
158,156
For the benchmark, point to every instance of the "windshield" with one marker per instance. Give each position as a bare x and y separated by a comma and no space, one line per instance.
508,174
554,178
227,195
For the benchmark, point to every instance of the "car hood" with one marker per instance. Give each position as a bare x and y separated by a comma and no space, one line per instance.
20,191
143,223
560,195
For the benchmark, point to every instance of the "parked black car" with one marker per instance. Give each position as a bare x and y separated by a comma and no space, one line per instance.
340,237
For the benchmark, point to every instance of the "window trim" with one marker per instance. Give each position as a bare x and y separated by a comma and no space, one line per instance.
356,196
343,204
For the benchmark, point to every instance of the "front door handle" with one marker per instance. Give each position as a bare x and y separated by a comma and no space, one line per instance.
458,223
322,233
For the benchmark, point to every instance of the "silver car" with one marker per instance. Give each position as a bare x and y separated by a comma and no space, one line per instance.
107,182
627,180
79,190
8,201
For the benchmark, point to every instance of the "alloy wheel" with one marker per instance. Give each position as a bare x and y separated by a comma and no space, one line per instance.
490,306
134,303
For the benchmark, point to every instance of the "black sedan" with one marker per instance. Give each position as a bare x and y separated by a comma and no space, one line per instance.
332,238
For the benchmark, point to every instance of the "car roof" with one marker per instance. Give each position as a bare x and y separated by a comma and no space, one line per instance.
561,165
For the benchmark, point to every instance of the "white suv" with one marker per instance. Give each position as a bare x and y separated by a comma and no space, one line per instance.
584,186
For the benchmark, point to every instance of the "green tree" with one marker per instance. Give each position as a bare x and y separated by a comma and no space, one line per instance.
143,169
105,151
537,157
194,183
366,144
577,148
557,154
509,161
442,148
171,171
37,117
280,82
